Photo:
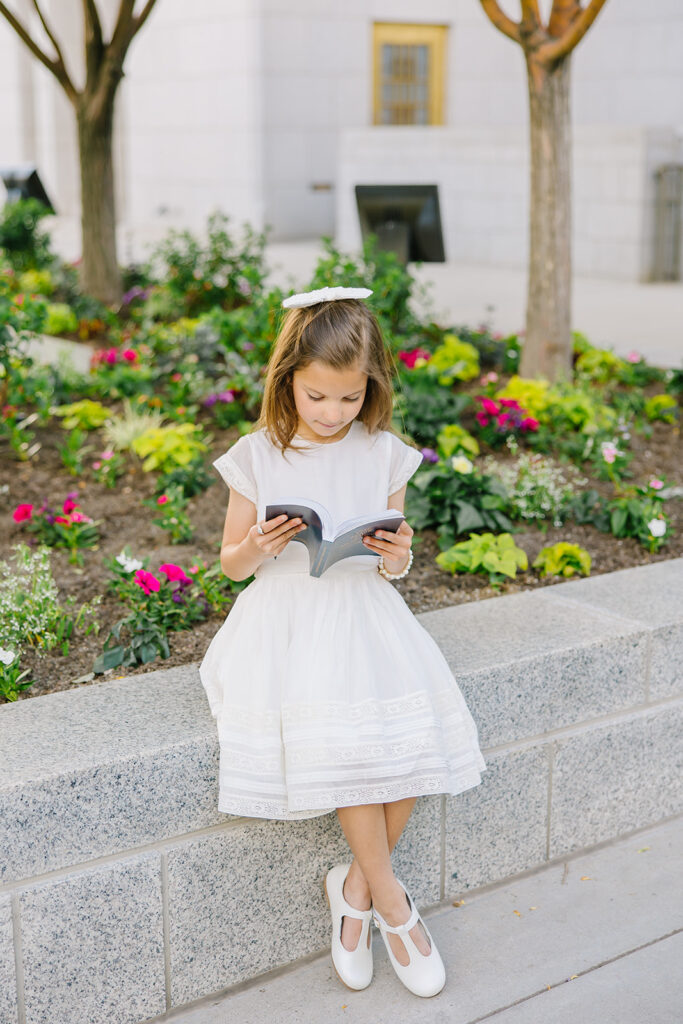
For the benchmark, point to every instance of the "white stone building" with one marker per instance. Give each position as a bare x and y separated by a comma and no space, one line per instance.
266,109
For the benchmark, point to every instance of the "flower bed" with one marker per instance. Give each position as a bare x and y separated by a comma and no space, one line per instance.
111,469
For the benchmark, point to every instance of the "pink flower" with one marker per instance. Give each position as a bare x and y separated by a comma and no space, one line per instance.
503,417
489,405
162,499
411,357
489,378
482,419
130,354
193,569
529,423
147,581
175,377
63,519
22,512
634,357
609,455
69,505
509,403
174,572
111,355
97,465
78,517
656,484
107,455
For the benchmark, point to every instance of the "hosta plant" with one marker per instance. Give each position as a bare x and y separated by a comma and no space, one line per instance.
562,559
496,556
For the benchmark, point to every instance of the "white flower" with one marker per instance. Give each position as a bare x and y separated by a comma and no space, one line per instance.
657,527
129,564
325,295
461,464
6,657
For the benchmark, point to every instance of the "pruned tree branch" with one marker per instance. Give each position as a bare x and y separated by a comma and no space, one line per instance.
143,15
55,65
92,22
531,13
501,21
556,50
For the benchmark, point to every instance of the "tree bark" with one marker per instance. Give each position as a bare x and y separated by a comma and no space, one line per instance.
547,349
99,270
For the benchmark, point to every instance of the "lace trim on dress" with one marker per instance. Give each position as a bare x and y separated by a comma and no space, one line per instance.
234,477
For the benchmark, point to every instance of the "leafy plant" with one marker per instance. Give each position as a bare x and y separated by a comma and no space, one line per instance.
164,448
69,528
60,319
453,439
563,559
421,408
74,451
24,245
121,431
454,360
539,488
454,503
496,556
661,407
86,414
172,515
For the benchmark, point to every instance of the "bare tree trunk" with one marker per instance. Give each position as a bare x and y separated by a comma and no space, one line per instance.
100,274
547,349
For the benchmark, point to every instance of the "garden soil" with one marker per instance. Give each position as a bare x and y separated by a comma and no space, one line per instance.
125,520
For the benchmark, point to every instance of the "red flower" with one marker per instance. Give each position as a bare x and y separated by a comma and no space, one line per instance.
22,512
162,499
130,354
69,505
147,581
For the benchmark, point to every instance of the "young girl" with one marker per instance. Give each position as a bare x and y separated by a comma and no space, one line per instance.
327,692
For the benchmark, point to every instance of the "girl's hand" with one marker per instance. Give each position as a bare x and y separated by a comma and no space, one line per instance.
276,535
394,547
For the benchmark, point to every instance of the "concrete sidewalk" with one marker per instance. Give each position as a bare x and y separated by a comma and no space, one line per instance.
594,939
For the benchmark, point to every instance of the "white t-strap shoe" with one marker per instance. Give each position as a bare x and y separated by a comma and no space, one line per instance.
422,975
354,966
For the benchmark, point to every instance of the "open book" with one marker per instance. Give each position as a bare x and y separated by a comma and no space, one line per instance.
326,543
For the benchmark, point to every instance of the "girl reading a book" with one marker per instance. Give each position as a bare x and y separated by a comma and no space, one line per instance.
327,692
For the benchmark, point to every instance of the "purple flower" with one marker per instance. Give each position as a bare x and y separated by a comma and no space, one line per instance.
226,396
136,292
247,346
210,400
429,455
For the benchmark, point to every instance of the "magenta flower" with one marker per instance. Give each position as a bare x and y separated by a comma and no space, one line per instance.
107,455
226,396
482,419
634,357
111,355
97,465
162,499
69,505
529,423
62,519
174,572
488,405
509,403
79,517
22,512
409,358
147,581
129,354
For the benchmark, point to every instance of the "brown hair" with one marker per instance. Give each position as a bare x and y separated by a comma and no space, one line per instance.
340,334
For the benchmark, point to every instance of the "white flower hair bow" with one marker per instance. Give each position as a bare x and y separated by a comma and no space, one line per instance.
325,295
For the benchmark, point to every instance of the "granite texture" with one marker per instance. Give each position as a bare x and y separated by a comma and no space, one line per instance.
86,773
612,779
8,982
248,898
93,945
651,595
417,855
499,828
526,664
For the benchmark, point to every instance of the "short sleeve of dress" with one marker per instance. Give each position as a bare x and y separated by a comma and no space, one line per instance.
404,462
236,468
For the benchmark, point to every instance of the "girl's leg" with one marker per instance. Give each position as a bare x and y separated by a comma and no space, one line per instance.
372,831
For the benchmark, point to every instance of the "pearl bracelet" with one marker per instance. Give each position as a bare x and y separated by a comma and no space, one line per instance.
394,575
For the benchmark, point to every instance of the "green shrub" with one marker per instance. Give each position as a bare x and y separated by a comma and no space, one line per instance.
24,246
453,360
563,559
496,556
661,407
60,319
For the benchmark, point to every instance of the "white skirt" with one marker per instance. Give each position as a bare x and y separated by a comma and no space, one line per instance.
329,693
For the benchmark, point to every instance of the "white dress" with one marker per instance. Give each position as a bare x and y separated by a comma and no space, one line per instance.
327,692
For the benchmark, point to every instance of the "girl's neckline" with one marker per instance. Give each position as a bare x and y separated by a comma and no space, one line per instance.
327,444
